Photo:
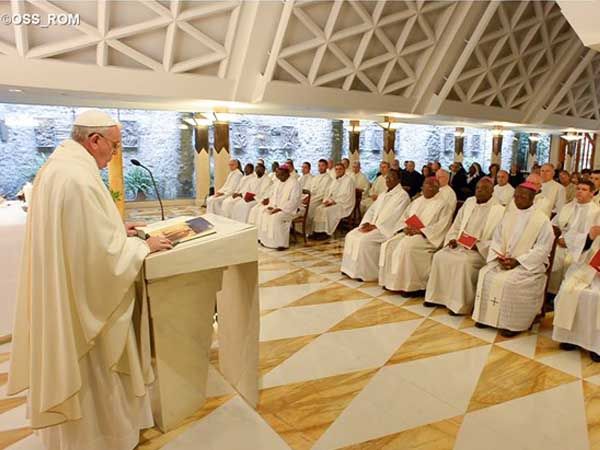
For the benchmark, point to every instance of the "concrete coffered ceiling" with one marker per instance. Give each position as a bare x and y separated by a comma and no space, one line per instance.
428,61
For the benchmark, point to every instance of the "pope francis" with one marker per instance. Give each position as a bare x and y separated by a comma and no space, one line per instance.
74,343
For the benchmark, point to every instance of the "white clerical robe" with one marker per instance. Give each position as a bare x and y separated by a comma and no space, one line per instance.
540,203
331,173
449,199
574,222
378,187
318,189
577,305
274,229
510,299
306,181
405,261
597,198
504,194
555,194
361,182
241,208
74,343
342,192
214,203
247,184
361,250
454,272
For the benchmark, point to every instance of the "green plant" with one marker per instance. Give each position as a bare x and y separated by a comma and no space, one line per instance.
116,195
137,180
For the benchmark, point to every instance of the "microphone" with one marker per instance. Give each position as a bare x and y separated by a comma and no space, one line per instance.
135,162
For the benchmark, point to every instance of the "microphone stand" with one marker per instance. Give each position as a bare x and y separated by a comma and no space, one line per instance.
135,162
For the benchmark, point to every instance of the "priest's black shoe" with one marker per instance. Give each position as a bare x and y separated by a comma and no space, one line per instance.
429,305
508,333
566,346
452,313
481,325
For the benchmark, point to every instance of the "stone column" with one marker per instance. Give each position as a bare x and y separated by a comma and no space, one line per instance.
221,153
115,180
201,164
353,141
389,142
497,149
459,144
531,155
337,140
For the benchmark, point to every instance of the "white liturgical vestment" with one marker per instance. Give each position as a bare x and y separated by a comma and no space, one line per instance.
214,203
510,299
454,271
361,182
378,187
555,193
361,250
74,344
241,208
306,181
318,188
504,194
247,184
342,192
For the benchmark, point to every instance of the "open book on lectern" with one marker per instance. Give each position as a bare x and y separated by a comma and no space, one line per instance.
179,229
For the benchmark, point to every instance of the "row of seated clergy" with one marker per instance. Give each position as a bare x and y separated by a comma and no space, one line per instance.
319,187
214,203
252,190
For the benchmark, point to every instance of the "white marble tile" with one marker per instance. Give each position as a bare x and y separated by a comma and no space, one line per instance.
321,269
29,443
268,275
394,299
448,320
304,320
305,264
234,426
337,276
485,334
524,346
569,362
342,352
550,420
375,291
351,283
280,296
420,310
14,418
216,385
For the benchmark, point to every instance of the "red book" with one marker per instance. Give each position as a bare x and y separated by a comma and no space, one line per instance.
249,196
414,222
595,261
466,240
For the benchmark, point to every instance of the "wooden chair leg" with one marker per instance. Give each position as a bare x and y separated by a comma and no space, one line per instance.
304,232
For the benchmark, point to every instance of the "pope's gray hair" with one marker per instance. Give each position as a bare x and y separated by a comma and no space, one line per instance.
80,133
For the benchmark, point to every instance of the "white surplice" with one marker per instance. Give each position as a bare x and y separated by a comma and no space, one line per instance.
449,200
504,194
510,299
454,272
274,229
577,305
342,192
555,193
241,208
318,189
378,187
361,250
306,181
247,184
405,261
214,203
574,222
74,343
360,182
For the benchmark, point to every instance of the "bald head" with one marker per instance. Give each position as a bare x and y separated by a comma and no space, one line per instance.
547,172
484,190
502,177
442,177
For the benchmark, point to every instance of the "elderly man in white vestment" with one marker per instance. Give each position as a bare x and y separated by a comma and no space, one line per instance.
256,192
446,193
378,187
337,204
306,178
361,182
214,203
318,188
246,184
510,288
577,305
573,223
405,260
275,214
455,268
503,191
74,343
382,220
552,190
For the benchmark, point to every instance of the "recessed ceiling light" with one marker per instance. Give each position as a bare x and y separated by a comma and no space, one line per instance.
16,91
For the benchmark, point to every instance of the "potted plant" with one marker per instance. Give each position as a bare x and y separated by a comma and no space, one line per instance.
138,183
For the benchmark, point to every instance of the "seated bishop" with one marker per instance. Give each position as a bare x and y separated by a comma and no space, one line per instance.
337,204
511,286
247,182
214,203
540,202
255,192
405,260
382,220
573,223
577,305
274,215
455,268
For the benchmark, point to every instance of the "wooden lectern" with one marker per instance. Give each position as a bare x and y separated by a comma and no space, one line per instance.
182,286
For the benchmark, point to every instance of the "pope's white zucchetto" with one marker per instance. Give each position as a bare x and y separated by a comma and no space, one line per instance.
94,118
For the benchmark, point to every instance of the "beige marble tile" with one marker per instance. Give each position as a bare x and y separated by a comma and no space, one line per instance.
546,347
589,368
300,276
334,292
273,353
591,395
374,313
508,376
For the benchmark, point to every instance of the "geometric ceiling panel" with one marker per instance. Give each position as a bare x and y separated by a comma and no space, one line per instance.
583,99
379,47
164,36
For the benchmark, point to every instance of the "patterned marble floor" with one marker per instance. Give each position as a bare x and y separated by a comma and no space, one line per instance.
346,365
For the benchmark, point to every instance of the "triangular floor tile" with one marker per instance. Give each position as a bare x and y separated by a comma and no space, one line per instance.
591,394
524,346
508,376
569,362
589,368
278,297
447,319
485,334
300,276
374,313
545,347
273,353
418,309
334,292
268,275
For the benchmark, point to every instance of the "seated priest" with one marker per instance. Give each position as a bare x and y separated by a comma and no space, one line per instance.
510,288
503,191
247,183
74,345
274,215
214,202
378,186
405,260
361,181
255,192
306,178
564,179
573,223
382,220
552,190
293,172
337,204
447,194
577,305
455,268
540,202
318,188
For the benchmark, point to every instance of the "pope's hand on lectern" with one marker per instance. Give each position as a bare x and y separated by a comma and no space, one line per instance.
158,243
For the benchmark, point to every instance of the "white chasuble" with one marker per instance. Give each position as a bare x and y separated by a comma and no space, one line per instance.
405,261
247,184
555,193
361,182
274,229
241,208
378,187
214,203
74,343
306,181
510,299
361,250
342,192
504,194
318,189
454,272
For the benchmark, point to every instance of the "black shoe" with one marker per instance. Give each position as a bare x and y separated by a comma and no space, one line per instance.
566,346
452,313
509,333
429,305
481,325
595,357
